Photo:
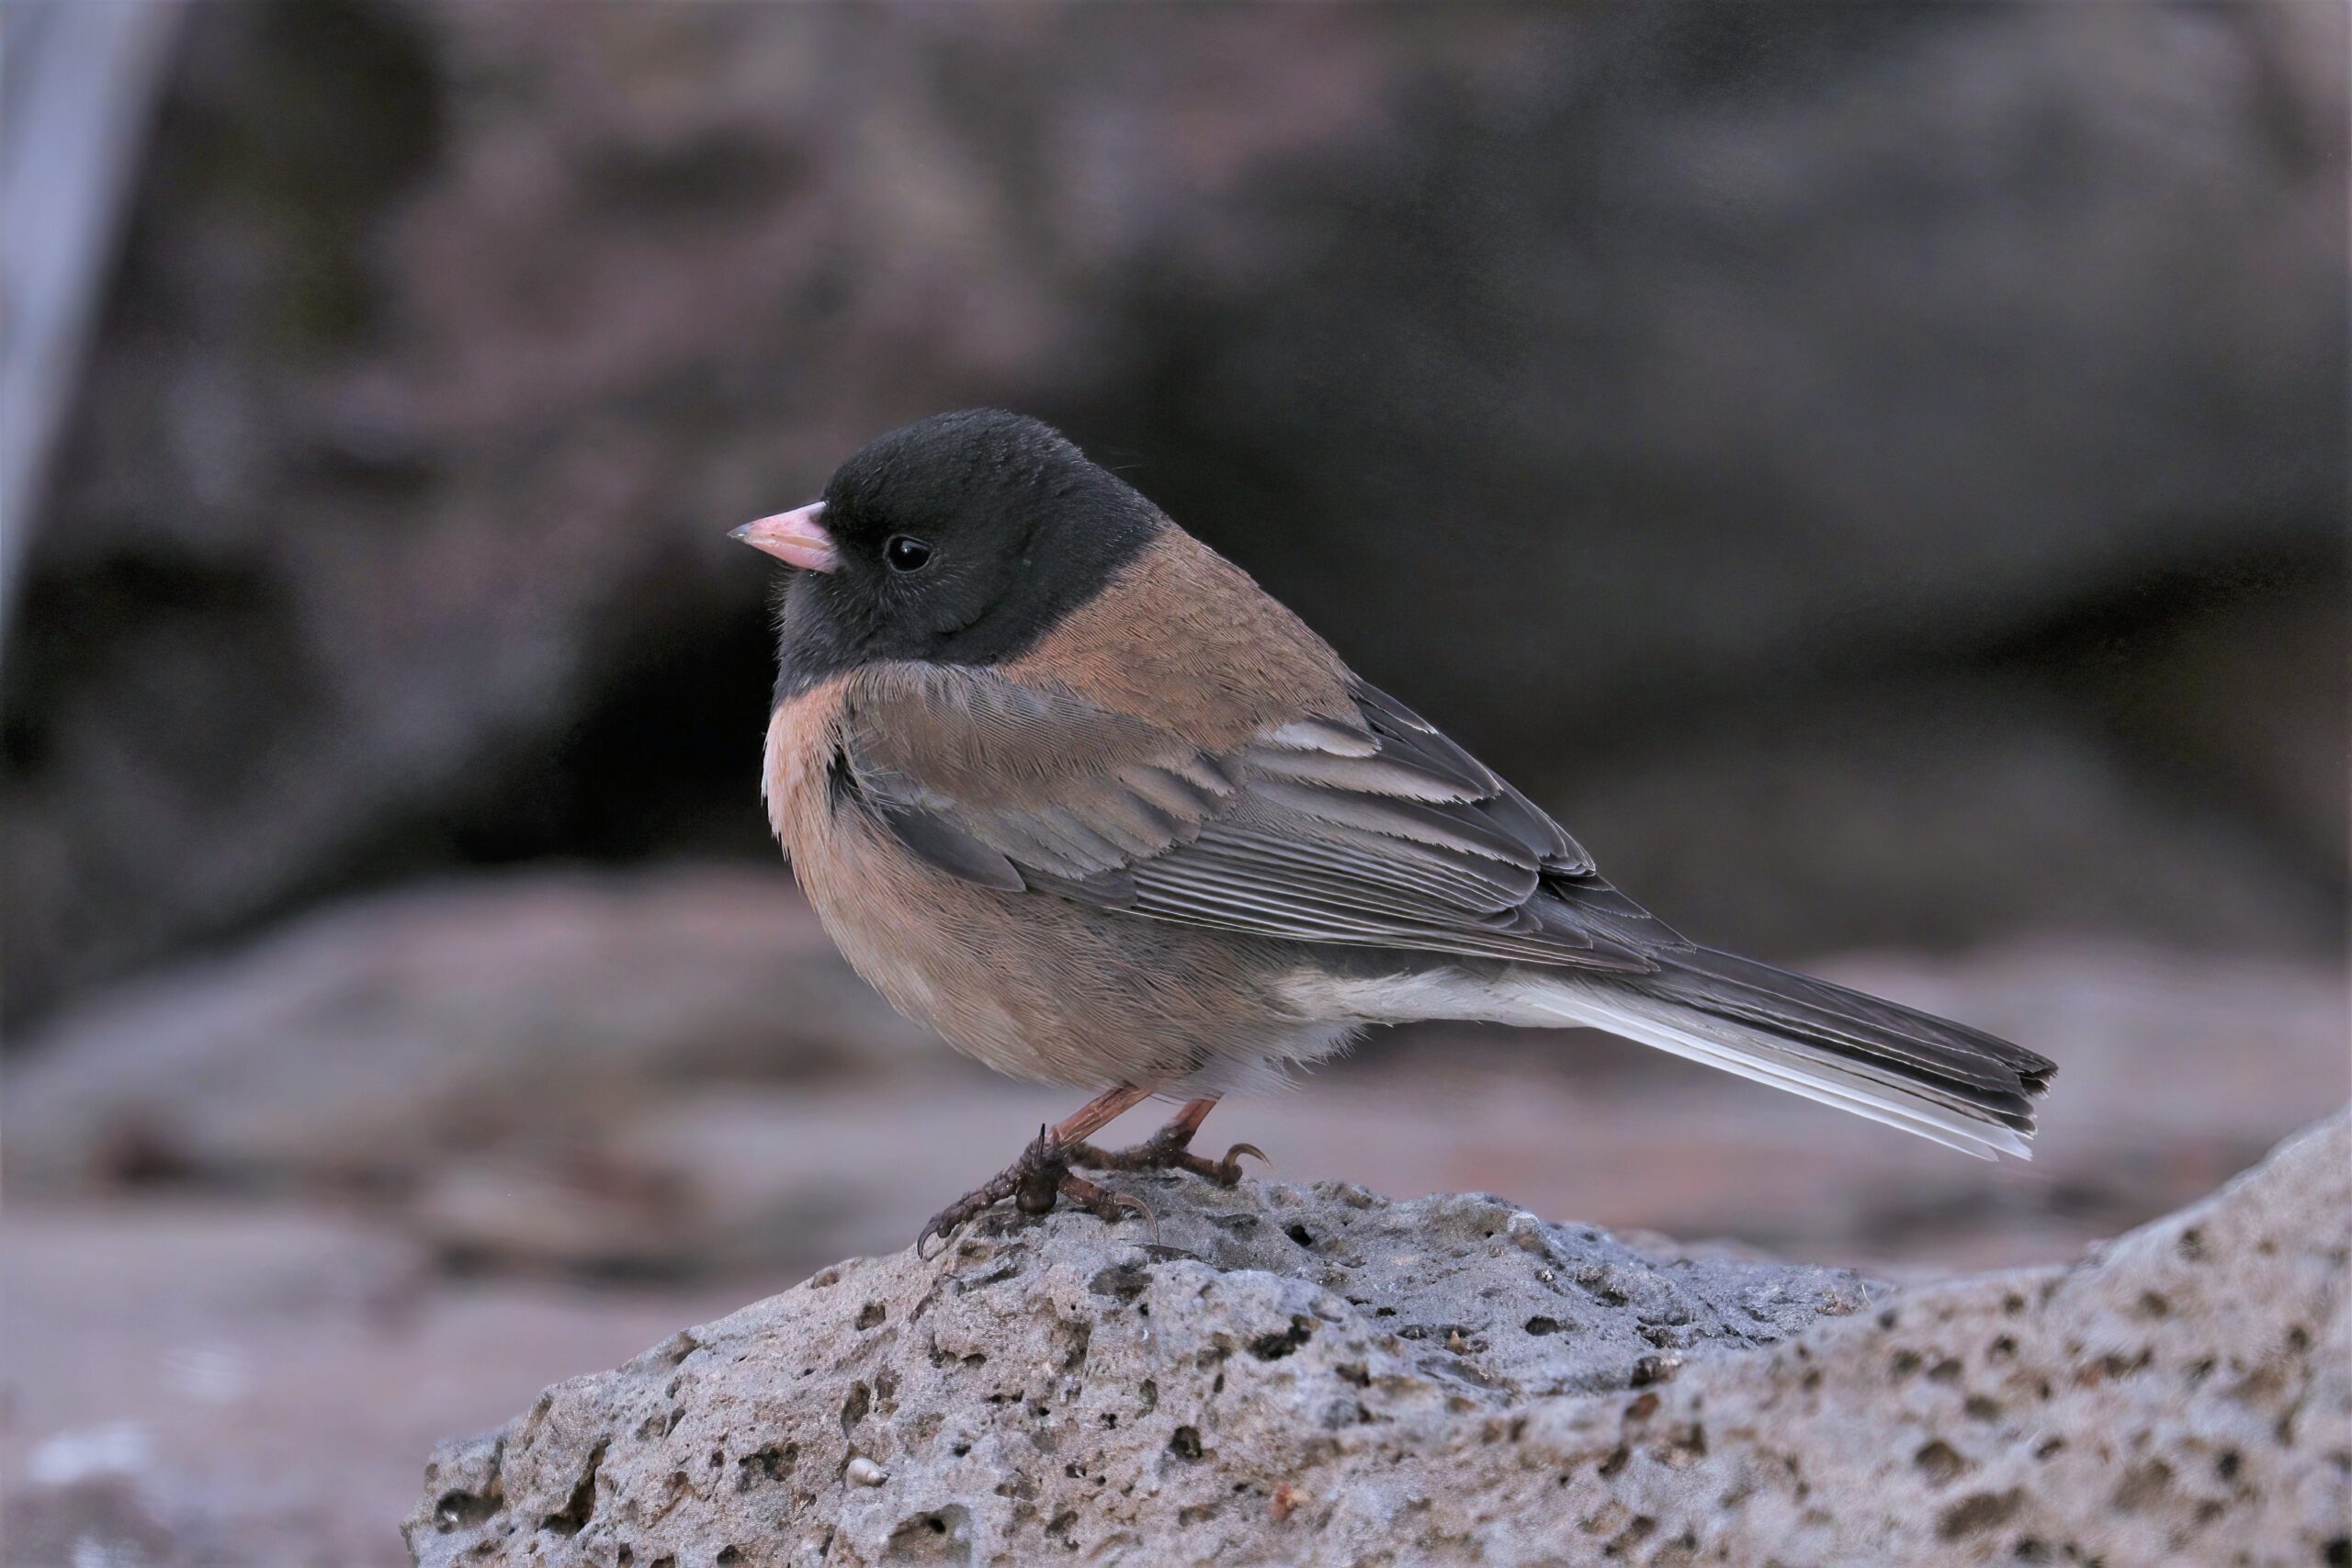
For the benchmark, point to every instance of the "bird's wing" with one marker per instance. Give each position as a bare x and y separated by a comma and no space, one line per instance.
1367,829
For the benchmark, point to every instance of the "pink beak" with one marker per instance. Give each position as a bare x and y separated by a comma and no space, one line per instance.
794,537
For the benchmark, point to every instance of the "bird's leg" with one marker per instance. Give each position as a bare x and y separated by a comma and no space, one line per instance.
1170,1148
1042,1173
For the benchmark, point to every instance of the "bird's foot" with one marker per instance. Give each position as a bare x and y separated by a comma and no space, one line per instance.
1168,1149
1033,1182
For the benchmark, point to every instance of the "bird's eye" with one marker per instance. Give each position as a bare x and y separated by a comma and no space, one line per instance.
906,552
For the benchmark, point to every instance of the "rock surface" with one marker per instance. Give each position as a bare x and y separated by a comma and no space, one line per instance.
368,1041
1317,1375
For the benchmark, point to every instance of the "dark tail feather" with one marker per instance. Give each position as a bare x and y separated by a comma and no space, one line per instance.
1966,1070
1943,1081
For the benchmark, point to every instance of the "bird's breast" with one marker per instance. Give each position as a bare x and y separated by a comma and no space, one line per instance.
804,739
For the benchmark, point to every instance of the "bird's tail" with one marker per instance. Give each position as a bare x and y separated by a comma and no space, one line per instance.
1893,1063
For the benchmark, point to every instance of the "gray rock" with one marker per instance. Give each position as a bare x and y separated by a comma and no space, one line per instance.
1313,1375
365,1042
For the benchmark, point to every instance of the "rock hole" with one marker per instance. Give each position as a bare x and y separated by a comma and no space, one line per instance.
944,1535
772,1463
1939,1462
871,1315
463,1510
1185,1444
1636,1531
1299,1233
581,1507
2337,1553
1541,1325
1946,1370
1274,1347
1123,1282
1977,1512
2226,1464
727,1557
1980,1408
854,1408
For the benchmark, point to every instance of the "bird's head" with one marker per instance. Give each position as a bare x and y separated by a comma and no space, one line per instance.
962,538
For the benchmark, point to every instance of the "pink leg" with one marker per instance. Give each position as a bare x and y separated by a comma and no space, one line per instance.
1170,1148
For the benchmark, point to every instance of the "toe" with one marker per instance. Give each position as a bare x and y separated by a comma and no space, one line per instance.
1118,1201
941,1228
1227,1171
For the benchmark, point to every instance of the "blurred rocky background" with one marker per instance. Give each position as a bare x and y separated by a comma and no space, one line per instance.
1879,472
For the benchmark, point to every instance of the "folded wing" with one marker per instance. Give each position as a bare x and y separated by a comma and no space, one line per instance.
1366,828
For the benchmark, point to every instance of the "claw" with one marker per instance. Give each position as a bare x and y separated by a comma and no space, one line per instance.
1030,1182
941,1227
1253,1150
1150,1220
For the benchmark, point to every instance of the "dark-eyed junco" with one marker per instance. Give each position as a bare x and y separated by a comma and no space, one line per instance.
1067,786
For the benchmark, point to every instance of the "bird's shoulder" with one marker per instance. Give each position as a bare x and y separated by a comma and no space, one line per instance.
1189,642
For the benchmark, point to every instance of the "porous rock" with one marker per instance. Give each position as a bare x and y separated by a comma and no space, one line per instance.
1317,1375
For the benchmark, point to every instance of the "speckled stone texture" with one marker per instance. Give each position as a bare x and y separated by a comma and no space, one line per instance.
1317,1375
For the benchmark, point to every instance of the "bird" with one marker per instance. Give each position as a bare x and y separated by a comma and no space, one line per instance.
1069,787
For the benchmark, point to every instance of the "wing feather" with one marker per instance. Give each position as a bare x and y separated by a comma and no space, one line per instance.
1366,828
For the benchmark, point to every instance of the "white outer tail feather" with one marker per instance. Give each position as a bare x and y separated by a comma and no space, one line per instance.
1753,1055
1555,1000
